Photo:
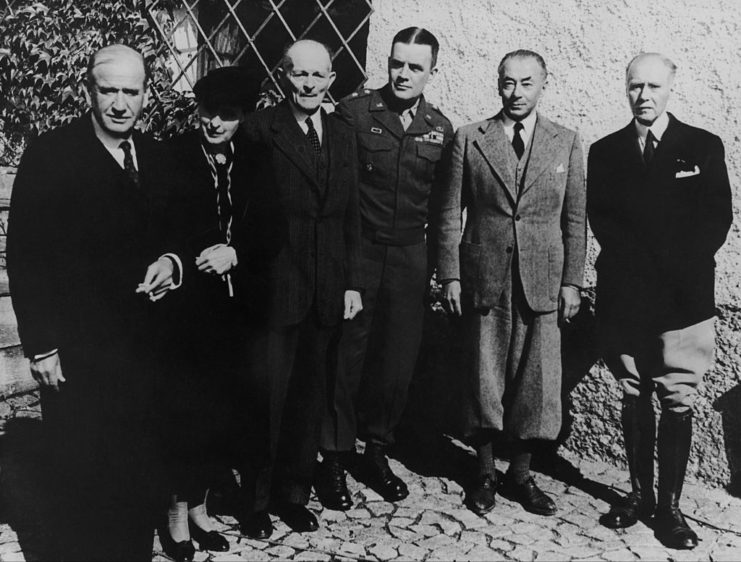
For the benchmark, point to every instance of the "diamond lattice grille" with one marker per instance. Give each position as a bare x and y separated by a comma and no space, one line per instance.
199,35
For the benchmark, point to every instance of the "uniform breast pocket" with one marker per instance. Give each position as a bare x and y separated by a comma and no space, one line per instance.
375,154
428,156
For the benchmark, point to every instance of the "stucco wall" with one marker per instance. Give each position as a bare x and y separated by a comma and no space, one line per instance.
586,44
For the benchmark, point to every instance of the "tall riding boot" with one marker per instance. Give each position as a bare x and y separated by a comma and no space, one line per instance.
639,432
675,438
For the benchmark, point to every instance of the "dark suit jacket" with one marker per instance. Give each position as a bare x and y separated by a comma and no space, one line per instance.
544,221
319,260
80,240
658,226
258,228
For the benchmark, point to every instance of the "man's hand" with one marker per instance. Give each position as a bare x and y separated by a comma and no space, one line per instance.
217,259
569,301
353,304
48,371
452,298
157,280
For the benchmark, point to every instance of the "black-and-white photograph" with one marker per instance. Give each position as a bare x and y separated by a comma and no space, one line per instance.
370,280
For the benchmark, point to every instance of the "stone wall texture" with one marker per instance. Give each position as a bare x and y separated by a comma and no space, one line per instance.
586,45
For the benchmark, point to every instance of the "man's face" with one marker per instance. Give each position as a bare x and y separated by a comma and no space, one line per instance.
309,77
520,86
648,85
218,127
118,93
410,68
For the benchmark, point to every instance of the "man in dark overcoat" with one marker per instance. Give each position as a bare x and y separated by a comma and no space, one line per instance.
659,204
515,274
312,285
89,233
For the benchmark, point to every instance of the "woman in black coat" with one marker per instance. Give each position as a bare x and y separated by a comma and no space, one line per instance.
233,228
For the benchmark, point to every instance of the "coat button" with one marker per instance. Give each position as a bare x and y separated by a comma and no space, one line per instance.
517,217
509,250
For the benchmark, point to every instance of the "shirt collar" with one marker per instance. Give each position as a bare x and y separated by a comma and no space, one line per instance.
528,125
658,127
110,142
300,117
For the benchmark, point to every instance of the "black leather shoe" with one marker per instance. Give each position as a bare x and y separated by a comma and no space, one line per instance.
331,486
379,475
256,525
627,512
532,498
297,517
182,551
673,531
482,498
208,540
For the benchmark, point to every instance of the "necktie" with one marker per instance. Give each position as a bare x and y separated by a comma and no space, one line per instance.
313,137
407,116
517,143
129,168
648,147
223,197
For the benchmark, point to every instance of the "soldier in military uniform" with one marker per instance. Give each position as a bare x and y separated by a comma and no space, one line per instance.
401,139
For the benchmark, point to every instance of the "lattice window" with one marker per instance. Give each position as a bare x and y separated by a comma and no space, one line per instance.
199,35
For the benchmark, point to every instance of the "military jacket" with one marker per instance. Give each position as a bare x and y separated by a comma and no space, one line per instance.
399,170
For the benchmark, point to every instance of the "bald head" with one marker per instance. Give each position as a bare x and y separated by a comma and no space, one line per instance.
651,59
306,72
306,48
116,54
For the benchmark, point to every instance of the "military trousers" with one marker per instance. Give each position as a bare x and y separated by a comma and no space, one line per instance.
378,348
672,362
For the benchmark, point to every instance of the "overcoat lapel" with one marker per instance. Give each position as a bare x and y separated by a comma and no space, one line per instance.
290,140
496,148
542,152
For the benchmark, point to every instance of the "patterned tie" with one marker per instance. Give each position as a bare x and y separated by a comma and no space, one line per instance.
648,147
223,196
313,137
517,143
129,167
407,116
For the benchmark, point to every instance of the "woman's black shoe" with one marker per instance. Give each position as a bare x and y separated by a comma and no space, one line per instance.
209,540
182,551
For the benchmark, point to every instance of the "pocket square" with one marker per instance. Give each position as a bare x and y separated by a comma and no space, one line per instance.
688,173
560,169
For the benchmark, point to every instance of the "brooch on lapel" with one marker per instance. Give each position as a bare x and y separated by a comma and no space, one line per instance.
220,159
686,170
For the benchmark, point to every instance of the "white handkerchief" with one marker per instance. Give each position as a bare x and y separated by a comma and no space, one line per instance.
560,169
688,173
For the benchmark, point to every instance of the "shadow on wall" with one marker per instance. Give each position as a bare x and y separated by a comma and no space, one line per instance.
728,407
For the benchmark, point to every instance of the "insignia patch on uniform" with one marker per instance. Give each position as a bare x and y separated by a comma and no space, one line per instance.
440,128
354,94
376,130
379,104
433,137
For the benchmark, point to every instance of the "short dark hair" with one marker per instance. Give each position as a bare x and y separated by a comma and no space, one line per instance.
418,36
521,53
93,61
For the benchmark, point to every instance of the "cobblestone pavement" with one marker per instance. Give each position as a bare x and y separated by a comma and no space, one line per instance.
432,523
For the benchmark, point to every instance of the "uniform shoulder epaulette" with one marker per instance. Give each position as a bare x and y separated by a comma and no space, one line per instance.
358,94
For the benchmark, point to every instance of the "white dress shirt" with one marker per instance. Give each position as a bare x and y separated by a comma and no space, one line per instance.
658,128
528,124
